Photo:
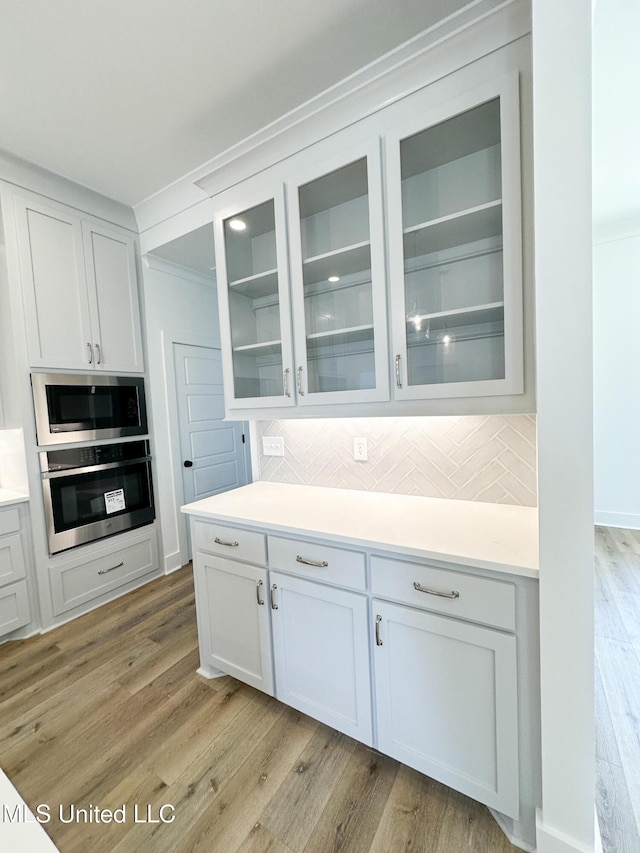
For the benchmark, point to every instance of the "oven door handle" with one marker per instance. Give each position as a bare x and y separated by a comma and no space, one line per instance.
90,469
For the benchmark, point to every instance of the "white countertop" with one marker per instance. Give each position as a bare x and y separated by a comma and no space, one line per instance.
7,497
489,536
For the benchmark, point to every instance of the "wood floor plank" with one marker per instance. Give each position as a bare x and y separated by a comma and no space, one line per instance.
260,840
619,831
293,812
349,820
412,818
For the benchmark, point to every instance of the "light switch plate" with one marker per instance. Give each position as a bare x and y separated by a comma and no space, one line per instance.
273,445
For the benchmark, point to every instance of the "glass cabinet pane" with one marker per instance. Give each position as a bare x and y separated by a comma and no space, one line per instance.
254,303
336,278
452,242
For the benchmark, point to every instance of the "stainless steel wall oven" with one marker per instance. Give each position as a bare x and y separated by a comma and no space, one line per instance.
93,492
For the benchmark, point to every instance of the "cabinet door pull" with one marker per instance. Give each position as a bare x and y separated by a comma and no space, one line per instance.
287,391
219,541
398,379
98,354
452,594
300,391
90,348
274,606
321,564
113,568
258,591
378,638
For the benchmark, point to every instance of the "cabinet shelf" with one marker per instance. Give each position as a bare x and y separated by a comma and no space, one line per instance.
461,228
257,285
354,334
480,321
340,262
265,348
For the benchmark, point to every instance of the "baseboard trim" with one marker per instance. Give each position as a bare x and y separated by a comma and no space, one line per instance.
631,521
506,825
550,840
207,671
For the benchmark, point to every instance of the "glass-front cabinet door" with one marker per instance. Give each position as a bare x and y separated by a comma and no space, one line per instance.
455,248
253,293
338,279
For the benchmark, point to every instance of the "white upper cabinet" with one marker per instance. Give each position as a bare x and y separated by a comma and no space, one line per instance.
253,294
373,283
80,291
338,279
455,246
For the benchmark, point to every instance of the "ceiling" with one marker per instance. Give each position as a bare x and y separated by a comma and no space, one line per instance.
128,96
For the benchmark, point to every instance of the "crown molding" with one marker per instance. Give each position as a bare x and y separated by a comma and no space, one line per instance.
153,262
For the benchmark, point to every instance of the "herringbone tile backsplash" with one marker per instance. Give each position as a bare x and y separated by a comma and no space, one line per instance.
475,458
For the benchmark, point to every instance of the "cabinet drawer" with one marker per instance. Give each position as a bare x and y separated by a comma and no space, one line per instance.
12,566
232,542
9,521
344,568
478,599
74,583
14,607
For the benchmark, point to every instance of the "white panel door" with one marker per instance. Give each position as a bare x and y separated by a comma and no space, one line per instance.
321,655
233,619
113,298
54,286
446,701
214,452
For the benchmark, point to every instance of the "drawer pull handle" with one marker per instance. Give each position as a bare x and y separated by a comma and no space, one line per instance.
300,391
378,638
258,590
90,353
452,594
287,392
219,541
320,564
274,606
113,568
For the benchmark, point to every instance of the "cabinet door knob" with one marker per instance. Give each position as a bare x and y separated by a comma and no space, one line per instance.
188,463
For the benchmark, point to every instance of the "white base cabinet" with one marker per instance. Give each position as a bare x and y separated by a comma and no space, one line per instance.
446,699
14,600
233,620
321,653
431,663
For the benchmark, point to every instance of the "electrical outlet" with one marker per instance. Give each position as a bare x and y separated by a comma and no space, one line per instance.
360,449
273,445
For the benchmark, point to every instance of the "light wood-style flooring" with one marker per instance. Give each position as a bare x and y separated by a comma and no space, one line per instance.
108,711
617,677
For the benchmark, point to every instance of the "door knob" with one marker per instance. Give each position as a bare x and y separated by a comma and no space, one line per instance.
188,463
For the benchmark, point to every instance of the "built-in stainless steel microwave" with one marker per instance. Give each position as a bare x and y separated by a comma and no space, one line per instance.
73,407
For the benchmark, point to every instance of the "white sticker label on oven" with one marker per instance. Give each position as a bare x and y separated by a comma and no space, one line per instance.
114,501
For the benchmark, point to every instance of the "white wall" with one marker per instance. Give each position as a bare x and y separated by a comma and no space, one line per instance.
616,358
563,248
180,306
